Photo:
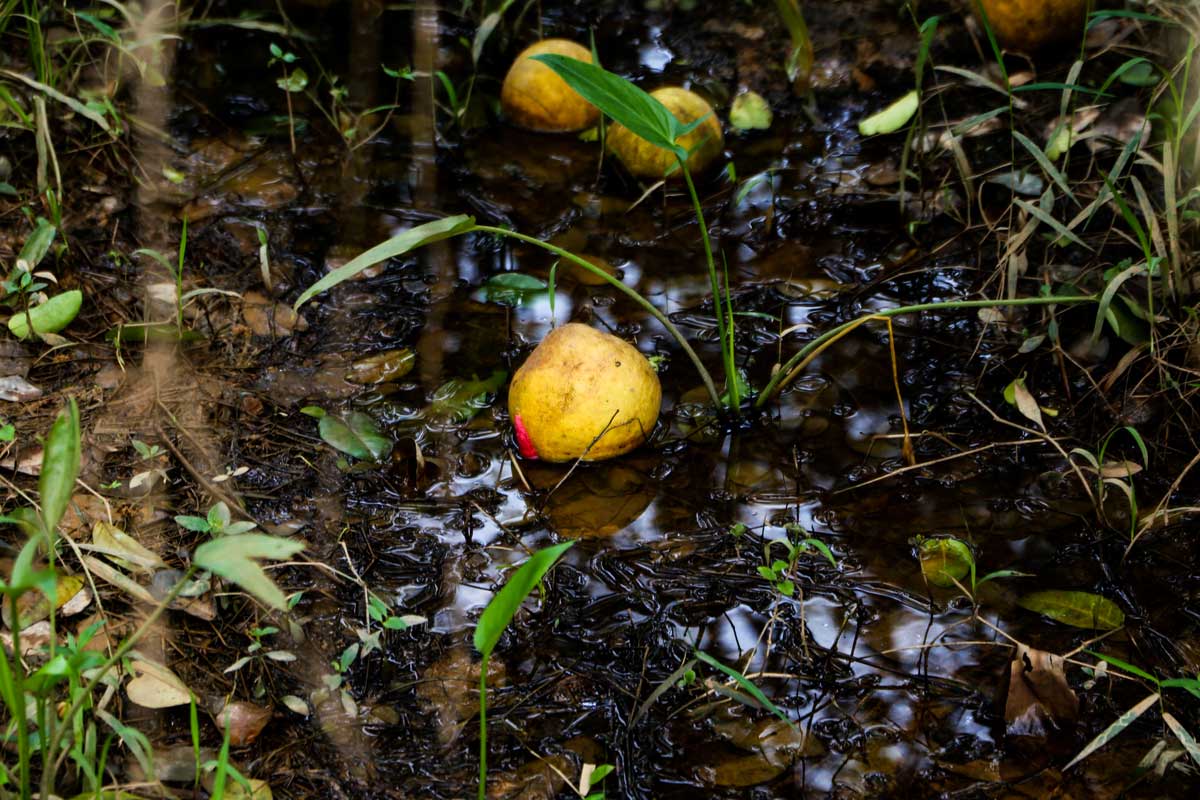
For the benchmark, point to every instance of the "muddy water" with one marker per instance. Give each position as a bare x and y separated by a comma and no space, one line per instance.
896,691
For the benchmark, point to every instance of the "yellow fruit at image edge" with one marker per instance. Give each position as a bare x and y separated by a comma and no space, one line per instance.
645,160
534,97
1032,24
580,384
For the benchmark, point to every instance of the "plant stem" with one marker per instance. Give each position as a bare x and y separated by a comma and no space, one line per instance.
726,344
483,668
783,374
709,386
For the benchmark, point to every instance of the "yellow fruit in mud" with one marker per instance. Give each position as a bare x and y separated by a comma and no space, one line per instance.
584,394
534,97
704,143
1031,24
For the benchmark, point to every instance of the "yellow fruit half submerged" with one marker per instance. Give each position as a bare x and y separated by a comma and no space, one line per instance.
645,160
583,394
1031,24
534,97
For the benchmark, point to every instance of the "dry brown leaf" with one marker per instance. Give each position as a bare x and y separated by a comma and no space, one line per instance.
1039,700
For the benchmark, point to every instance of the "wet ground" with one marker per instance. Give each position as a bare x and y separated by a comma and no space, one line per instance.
895,688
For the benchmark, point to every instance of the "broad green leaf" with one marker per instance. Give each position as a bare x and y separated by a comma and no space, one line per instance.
1108,734
49,317
1080,609
750,112
512,288
620,100
357,435
747,685
504,605
234,558
37,245
892,118
397,245
944,561
458,401
60,466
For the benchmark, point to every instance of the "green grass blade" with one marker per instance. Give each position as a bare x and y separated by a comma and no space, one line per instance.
1051,171
1110,292
1112,731
1183,736
747,686
504,605
398,245
1043,217
1125,665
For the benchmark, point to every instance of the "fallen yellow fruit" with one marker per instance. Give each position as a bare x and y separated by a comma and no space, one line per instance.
1031,24
583,394
645,160
534,97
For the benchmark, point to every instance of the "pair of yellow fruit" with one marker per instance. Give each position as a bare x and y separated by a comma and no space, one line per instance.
583,393
587,394
534,97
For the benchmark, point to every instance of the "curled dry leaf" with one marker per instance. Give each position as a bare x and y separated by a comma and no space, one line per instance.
33,639
70,598
1039,699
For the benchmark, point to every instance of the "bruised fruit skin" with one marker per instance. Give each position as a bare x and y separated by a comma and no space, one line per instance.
576,383
534,97
1031,24
645,160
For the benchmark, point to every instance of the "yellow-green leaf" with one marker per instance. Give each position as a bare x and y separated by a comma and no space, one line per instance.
944,561
1081,609
892,118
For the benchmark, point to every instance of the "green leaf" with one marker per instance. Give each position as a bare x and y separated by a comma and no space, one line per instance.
944,561
821,548
1080,609
1125,665
512,288
750,112
747,685
49,317
458,401
60,466
619,99
198,524
357,435
397,245
295,82
504,605
37,245
234,558
892,118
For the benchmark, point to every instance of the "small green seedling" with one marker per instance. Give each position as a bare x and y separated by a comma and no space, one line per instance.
496,617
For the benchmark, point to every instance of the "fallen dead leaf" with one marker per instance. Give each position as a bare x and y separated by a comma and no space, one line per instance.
1039,699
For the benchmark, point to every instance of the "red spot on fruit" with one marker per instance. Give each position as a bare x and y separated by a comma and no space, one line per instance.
524,443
